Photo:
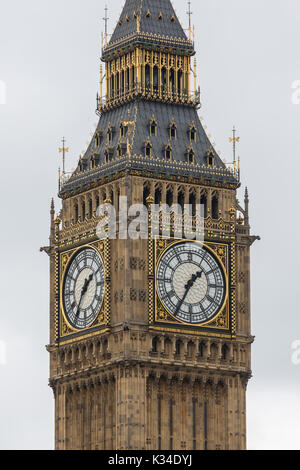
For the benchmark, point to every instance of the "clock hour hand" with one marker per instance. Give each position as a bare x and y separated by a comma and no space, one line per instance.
83,291
188,286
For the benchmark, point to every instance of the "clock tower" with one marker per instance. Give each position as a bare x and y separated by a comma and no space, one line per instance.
150,336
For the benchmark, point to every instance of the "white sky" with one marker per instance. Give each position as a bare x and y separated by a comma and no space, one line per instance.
248,56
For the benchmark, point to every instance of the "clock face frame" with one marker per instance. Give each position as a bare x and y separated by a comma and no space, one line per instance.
83,288
191,283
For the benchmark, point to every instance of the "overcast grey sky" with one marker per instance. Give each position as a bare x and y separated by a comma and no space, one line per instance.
248,57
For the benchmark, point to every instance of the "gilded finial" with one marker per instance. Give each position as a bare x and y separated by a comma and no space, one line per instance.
189,13
150,200
57,221
63,150
240,220
105,19
234,140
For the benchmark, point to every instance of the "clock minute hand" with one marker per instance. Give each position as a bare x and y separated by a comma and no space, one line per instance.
188,286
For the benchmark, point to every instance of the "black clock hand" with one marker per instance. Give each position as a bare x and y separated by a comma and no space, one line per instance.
83,291
188,286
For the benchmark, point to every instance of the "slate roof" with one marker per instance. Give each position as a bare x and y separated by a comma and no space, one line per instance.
141,112
161,27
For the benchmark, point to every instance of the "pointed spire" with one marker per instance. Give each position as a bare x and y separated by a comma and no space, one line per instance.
52,225
142,21
246,207
189,13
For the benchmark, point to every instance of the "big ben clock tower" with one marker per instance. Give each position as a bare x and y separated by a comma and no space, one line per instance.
150,337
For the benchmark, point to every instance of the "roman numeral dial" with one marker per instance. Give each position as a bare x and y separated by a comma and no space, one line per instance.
83,288
191,283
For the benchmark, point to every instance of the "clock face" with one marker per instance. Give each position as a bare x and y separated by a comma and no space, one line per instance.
83,288
191,283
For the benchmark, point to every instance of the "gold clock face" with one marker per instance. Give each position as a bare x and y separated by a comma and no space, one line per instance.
83,288
191,283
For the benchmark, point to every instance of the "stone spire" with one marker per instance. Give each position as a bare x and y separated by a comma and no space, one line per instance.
246,207
52,225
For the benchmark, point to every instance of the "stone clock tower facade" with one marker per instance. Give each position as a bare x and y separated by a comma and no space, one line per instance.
150,338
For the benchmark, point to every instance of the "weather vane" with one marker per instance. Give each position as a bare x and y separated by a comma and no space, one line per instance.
63,150
234,140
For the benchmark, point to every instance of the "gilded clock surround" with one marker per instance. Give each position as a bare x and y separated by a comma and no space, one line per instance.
221,323
102,321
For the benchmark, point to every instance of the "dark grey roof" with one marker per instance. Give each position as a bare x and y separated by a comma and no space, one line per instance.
141,112
154,28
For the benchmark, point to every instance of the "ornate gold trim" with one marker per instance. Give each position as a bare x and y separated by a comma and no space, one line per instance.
159,314
64,258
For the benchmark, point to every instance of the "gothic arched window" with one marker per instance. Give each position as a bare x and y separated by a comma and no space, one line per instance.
190,156
119,151
123,130
169,197
168,152
192,203
178,347
146,193
203,202
148,148
155,78
179,81
158,196
109,135
97,139
147,76
181,199
154,345
164,78
173,130
83,210
76,212
215,207
201,349
193,133
224,352
153,127
172,79
210,158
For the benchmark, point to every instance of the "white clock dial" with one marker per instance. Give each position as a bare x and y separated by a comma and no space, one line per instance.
190,282
83,288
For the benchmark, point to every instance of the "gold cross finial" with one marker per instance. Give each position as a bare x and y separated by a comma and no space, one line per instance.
189,13
105,19
234,140
63,150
